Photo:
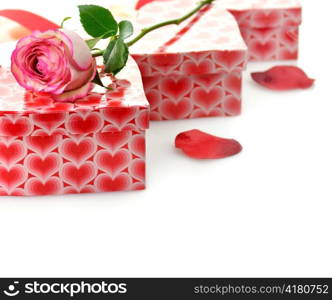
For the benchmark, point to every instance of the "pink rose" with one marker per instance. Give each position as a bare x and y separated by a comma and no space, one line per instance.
57,62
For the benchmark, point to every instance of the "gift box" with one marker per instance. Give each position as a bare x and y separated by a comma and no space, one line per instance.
96,144
269,27
194,69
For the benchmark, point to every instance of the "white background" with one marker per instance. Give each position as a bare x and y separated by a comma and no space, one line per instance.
265,212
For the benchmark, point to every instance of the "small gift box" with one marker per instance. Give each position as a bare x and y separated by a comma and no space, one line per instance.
194,69
95,144
269,27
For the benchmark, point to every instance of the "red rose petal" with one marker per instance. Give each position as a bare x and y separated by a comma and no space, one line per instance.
282,78
197,144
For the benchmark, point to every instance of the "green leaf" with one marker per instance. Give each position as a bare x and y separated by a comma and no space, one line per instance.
98,21
109,49
93,42
97,80
64,20
126,29
115,56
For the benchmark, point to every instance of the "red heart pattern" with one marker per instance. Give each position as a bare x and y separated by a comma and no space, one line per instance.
270,34
137,169
266,49
112,163
11,152
78,176
25,114
113,141
194,96
183,80
232,106
12,177
100,162
154,98
120,116
18,127
69,123
204,67
43,167
106,183
175,82
35,186
84,190
176,88
267,18
207,99
211,87
273,47
43,144
49,121
58,148
136,145
85,123
176,110
259,22
77,151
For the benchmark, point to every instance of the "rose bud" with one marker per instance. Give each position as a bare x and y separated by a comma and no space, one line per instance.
57,62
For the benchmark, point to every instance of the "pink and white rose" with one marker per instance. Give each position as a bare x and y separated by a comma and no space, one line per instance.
57,62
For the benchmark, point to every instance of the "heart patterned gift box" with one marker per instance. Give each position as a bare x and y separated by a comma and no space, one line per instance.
269,27
96,144
194,69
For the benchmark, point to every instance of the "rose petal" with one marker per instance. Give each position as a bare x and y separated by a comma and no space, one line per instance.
57,62
197,144
79,78
80,50
74,94
283,78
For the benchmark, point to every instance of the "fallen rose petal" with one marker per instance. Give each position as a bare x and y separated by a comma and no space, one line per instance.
283,78
201,145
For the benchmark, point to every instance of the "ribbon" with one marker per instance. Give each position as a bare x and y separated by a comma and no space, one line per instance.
29,20
185,29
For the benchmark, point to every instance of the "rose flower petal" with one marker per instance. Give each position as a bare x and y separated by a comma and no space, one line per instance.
282,78
54,62
198,144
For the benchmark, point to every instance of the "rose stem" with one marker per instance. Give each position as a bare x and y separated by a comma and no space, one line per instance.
163,24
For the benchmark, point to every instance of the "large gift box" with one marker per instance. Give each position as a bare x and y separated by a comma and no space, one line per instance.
269,27
96,144
194,69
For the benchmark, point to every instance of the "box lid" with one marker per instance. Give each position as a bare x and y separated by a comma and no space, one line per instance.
209,42
125,102
265,13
